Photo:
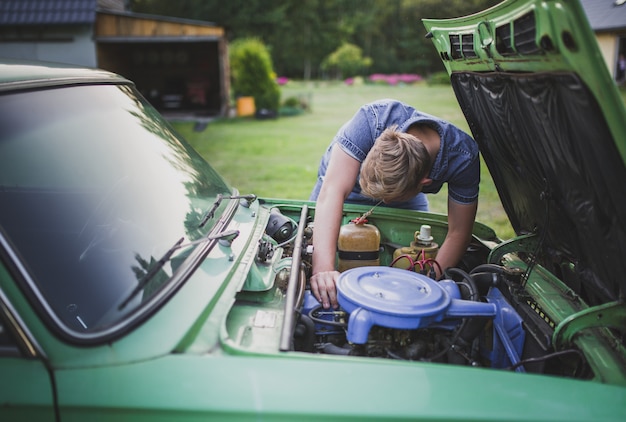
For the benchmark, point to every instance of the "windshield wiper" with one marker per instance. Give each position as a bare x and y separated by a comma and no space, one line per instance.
250,198
150,274
225,238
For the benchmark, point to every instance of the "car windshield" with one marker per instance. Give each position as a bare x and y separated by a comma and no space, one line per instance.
94,189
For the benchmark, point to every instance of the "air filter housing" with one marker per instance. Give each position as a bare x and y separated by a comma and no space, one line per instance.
400,299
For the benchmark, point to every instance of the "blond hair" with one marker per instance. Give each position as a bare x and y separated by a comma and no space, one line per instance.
395,166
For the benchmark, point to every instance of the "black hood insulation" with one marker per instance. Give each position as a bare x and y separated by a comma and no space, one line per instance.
557,171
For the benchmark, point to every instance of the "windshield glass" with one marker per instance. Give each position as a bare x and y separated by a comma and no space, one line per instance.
94,189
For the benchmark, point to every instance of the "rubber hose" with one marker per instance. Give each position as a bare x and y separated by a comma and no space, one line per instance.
485,280
493,268
332,349
309,333
470,281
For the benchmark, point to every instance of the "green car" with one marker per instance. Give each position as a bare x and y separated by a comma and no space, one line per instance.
137,284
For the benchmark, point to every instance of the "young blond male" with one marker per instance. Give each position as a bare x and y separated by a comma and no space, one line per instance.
392,153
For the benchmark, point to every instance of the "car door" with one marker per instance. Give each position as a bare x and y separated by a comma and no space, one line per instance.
26,391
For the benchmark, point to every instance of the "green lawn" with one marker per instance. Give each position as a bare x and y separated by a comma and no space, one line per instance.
279,158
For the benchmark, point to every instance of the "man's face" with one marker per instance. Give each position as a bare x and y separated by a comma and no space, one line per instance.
410,194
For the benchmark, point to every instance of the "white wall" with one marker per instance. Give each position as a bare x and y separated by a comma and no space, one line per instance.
73,45
608,44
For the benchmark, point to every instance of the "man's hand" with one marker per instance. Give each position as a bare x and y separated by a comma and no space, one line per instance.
323,288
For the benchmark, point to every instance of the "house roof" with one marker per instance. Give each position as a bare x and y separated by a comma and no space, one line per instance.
605,15
47,12
68,12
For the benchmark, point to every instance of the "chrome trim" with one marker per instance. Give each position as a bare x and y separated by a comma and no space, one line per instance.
27,341
291,299
17,86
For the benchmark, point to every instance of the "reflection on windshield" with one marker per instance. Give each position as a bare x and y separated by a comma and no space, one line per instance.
95,188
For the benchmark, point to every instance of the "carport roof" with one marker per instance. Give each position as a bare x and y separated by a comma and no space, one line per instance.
48,12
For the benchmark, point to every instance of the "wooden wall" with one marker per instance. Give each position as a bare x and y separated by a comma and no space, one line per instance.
111,25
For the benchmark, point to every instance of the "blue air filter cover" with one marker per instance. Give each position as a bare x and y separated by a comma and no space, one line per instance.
396,298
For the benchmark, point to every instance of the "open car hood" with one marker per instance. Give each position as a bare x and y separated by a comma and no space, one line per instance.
551,127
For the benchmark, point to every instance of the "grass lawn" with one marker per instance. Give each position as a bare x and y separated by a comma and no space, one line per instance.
278,158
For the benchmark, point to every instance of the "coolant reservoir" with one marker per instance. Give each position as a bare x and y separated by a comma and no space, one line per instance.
358,245
422,249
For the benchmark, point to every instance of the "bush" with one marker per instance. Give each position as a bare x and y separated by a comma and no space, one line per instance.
347,61
252,73
439,78
292,102
296,105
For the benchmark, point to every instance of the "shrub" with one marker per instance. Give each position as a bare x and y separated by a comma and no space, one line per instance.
292,102
252,73
293,106
439,78
347,61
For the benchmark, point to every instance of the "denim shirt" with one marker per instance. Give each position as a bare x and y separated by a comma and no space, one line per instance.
457,162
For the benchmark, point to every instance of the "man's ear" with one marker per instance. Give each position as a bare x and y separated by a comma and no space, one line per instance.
426,181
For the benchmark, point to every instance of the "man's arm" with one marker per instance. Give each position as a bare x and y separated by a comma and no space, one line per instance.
340,178
460,224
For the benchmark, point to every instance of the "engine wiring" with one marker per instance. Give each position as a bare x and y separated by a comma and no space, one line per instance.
546,357
313,314
546,196
426,265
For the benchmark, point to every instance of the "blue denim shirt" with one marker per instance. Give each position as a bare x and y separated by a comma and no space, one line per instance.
457,162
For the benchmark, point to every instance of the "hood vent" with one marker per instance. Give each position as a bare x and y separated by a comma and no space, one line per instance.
525,29
503,40
462,46
522,40
516,38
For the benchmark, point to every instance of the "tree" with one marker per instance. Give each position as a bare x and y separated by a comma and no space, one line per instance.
347,61
300,34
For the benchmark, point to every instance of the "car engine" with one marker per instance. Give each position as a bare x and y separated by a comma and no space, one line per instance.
398,314
391,307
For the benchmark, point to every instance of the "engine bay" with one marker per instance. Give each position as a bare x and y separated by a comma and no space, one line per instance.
390,306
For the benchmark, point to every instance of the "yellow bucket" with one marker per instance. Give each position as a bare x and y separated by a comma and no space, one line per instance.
245,106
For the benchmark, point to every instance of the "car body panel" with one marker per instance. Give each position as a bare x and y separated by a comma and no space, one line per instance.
557,38
30,399
556,148
233,332
222,387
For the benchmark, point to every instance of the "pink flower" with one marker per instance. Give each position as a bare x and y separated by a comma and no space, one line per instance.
395,78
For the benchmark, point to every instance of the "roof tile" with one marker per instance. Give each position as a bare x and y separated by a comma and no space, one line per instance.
605,15
48,12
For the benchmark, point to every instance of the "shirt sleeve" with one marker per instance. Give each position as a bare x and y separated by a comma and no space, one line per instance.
356,137
463,186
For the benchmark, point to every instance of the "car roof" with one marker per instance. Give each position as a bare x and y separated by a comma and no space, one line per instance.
19,75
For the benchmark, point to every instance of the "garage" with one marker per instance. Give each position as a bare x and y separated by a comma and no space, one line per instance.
179,65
